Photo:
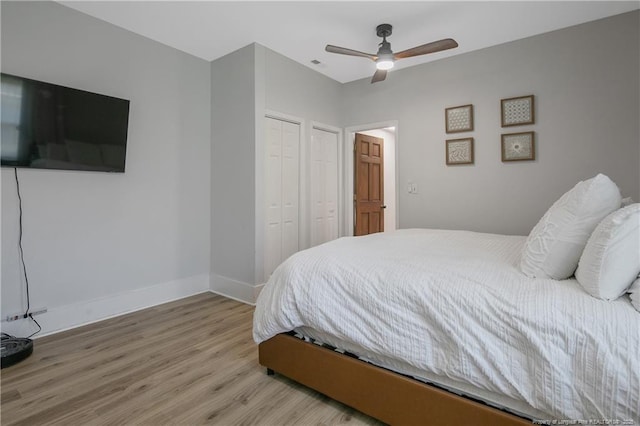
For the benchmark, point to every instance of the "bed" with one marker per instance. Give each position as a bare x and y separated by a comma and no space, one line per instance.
419,326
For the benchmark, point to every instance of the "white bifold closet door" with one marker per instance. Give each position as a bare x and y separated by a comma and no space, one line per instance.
324,186
281,192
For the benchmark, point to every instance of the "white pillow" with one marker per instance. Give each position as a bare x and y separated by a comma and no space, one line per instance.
554,246
611,259
634,294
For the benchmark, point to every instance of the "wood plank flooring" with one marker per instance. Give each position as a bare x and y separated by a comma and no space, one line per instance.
188,362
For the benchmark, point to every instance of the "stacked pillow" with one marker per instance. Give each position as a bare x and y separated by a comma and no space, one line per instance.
611,259
555,244
587,232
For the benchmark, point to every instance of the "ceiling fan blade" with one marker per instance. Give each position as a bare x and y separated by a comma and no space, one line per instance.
432,47
351,52
379,76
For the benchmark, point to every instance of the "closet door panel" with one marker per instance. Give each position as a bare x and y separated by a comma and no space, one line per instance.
324,187
331,188
290,188
273,196
282,165
317,190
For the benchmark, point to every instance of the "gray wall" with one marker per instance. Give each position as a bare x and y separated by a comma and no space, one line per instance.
91,236
233,165
585,82
292,88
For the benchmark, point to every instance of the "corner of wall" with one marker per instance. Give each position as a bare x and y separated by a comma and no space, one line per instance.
237,91
234,289
260,105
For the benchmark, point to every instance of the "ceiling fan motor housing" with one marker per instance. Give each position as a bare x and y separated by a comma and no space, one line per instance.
384,30
384,50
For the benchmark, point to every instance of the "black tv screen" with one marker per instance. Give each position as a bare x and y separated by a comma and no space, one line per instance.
55,127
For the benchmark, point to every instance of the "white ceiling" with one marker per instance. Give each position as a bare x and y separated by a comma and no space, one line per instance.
301,29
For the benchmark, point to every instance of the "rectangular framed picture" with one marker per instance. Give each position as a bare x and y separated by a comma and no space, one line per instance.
459,119
518,146
459,151
517,111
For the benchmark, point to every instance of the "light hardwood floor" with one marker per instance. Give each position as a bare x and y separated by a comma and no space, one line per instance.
187,362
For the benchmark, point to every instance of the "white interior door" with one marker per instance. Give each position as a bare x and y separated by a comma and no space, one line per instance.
290,188
273,196
324,190
281,192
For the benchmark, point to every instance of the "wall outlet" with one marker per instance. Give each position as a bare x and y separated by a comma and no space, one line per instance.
412,188
15,317
12,317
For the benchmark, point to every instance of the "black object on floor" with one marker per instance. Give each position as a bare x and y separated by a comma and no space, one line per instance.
14,349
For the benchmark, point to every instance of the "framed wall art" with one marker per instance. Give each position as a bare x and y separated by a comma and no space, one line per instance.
518,146
459,151
517,111
459,119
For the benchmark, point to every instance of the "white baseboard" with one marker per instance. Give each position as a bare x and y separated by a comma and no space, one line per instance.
66,317
233,289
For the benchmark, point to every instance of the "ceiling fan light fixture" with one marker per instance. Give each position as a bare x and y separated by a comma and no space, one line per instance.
384,63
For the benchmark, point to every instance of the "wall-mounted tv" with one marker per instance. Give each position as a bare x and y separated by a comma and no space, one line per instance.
48,126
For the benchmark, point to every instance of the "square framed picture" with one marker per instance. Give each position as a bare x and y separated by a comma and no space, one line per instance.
518,146
517,111
459,151
459,119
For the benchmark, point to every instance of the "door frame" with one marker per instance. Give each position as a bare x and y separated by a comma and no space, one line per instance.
338,131
350,133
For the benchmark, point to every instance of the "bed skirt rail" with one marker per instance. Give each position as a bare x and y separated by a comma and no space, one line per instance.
390,397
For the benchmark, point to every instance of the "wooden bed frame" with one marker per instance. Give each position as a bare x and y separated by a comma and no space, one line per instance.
380,393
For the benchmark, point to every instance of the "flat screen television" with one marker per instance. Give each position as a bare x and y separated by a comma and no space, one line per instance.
48,126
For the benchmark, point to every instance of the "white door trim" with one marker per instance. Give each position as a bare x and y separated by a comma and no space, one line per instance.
350,135
339,133
283,117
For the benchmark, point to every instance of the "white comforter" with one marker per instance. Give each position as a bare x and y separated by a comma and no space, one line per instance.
454,304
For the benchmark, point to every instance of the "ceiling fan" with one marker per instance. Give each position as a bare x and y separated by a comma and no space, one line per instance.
385,57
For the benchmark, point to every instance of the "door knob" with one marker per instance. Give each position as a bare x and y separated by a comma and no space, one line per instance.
383,207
